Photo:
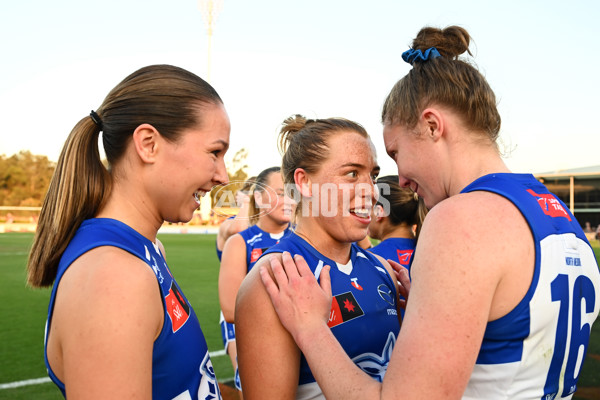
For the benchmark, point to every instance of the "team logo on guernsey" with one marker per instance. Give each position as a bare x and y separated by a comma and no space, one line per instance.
376,364
550,205
355,283
177,308
209,388
256,253
344,307
404,257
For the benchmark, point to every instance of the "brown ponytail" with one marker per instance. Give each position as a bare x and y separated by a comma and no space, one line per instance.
165,96
405,207
78,188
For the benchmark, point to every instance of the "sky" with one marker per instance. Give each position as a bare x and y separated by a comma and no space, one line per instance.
270,59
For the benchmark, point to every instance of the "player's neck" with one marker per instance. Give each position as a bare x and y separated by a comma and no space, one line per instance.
398,231
269,225
323,242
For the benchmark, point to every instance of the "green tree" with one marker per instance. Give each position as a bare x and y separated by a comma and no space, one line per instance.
24,179
236,172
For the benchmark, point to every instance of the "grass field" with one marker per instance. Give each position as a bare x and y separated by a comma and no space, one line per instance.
194,264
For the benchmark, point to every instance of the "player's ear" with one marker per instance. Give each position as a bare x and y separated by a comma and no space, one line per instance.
379,212
145,140
303,182
434,123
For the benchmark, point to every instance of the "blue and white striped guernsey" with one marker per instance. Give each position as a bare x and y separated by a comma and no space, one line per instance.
181,366
364,312
536,350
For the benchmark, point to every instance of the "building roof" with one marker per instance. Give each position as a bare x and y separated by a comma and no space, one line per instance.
592,171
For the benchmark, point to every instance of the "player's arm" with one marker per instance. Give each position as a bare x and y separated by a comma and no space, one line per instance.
232,272
268,357
241,221
108,312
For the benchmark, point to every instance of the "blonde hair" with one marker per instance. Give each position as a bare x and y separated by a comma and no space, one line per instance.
164,96
259,185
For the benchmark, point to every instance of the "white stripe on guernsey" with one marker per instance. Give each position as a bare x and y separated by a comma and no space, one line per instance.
39,381
254,238
361,255
318,269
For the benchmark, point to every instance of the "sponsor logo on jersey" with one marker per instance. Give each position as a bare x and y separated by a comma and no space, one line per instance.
177,308
550,205
386,294
355,284
344,308
256,253
404,257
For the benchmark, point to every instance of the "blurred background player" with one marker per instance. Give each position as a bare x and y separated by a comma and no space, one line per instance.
270,213
396,221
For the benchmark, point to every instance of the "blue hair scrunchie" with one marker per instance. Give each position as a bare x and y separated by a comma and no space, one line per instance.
412,55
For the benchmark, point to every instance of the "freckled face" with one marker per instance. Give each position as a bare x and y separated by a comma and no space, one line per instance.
345,187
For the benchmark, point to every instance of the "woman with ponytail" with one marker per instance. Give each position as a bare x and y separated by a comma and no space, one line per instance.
329,165
118,324
505,285
396,221
270,212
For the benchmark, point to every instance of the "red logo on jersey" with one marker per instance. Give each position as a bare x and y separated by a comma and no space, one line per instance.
344,307
404,257
355,283
177,308
550,205
255,255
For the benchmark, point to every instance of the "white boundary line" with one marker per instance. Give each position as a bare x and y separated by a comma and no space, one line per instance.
27,382
39,381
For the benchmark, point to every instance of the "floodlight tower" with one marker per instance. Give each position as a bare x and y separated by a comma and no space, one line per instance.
209,9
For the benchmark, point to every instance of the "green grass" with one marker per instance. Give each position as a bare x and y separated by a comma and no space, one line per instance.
194,264
192,259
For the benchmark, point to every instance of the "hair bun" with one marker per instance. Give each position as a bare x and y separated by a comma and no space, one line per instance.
289,128
451,42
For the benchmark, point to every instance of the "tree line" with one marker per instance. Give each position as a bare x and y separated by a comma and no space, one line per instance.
24,179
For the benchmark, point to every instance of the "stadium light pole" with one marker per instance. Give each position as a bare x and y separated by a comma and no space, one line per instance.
209,9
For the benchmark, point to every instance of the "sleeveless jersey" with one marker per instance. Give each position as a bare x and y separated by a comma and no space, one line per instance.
397,249
363,314
258,241
536,350
181,366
